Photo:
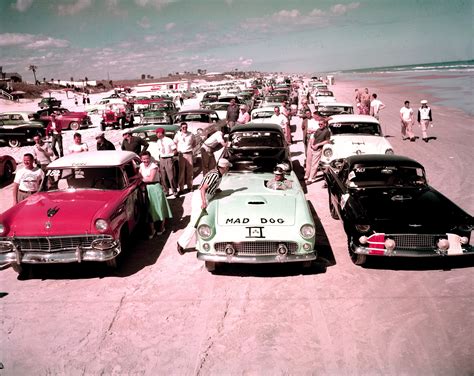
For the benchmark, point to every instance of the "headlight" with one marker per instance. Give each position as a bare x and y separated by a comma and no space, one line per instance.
204,231
443,244
101,225
6,246
2,229
327,152
362,228
307,231
389,151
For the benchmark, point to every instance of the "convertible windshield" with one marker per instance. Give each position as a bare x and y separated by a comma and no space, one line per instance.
355,128
385,176
256,139
262,114
108,178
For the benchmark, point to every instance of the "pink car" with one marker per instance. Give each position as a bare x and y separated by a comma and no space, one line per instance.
68,119
89,205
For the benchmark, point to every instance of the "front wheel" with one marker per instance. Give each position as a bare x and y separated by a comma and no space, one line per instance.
356,258
74,126
14,142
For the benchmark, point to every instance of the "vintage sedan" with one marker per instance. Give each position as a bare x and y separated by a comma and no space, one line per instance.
20,134
19,117
89,205
388,209
246,222
68,119
158,112
198,120
326,110
354,134
322,97
49,102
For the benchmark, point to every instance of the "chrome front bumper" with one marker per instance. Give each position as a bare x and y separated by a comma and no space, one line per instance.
256,259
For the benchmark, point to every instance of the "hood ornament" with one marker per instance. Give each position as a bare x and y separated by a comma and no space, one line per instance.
52,211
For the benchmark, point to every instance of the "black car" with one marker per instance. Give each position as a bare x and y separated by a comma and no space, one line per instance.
256,147
16,135
49,102
388,209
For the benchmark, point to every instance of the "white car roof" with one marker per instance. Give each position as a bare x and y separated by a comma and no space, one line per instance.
352,119
263,109
105,158
334,104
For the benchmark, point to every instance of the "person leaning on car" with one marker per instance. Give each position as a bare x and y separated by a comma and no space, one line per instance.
318,139
27,179
209,147
133,143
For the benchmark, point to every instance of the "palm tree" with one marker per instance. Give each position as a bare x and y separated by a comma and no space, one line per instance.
33,68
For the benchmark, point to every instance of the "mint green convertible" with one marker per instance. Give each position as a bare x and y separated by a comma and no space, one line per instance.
250,223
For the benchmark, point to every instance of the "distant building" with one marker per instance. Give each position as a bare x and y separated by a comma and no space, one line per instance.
7,78
181,85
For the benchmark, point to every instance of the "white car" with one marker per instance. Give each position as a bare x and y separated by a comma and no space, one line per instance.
262,114
334,108
321,97
354,134
219,107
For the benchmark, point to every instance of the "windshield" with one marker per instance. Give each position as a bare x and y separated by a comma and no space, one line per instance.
256,139
108,178
334,110
384,176
263,114
355,128
219,107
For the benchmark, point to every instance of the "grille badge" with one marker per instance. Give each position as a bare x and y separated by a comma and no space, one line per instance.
47,225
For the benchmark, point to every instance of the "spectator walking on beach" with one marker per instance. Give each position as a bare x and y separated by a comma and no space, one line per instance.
181,100
407,120
166,150
133,143
42,152
54,129
78,146
185,143
103,143
232,113
376,106
207,189
424,119
244,116
27,179
357,99
365,102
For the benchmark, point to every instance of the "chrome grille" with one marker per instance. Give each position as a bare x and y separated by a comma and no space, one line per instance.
56,243
256,248
414,241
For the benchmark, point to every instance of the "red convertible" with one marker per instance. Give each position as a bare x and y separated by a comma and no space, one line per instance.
89,205
68,119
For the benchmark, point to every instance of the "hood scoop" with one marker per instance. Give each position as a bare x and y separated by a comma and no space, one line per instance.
257,200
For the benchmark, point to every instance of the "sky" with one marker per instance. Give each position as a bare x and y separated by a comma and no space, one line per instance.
123,39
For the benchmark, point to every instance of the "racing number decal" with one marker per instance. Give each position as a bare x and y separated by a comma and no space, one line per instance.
255,232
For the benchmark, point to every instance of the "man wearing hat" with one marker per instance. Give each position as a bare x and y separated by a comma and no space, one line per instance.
279,182
103,143
200,200
133,143
166,151
424,118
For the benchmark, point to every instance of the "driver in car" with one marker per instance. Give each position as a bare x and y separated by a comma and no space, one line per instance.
279,182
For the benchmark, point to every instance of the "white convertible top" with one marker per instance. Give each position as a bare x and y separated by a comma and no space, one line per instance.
105,158
352,119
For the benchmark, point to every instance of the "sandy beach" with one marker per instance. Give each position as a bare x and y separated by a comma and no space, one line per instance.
162,313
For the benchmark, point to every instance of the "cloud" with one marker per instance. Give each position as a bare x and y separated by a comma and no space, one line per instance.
157,4
245,62
170,25
340,9
48,43
74,8
13,39
22,5
144,22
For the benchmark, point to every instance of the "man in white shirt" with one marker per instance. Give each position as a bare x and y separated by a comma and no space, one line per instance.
424,118
209,147
27,179
282,121
78,146
406,118
42,152
166,150
376,106
185,143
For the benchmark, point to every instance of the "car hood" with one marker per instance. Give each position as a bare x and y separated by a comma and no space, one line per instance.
245,200
65,213
408,208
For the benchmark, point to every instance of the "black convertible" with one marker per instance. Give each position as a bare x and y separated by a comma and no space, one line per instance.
388,209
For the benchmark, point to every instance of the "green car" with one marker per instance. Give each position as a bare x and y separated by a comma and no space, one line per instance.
246,222
158,113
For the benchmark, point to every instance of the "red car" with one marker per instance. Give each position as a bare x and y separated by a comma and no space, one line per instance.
89,205
68,119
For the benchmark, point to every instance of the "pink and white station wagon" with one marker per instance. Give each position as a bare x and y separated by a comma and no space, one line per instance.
88,206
